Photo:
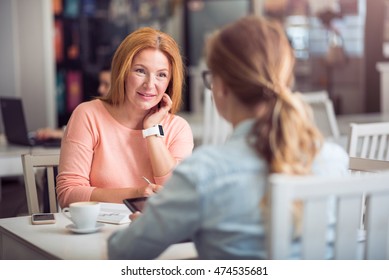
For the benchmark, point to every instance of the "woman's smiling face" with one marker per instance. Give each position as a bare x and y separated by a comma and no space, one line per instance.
147,79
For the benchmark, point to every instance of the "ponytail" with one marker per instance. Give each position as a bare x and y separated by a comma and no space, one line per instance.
286,136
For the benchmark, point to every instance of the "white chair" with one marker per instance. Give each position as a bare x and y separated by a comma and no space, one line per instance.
369,140
323,112
368,151
366,165
314,192
216,129
30,165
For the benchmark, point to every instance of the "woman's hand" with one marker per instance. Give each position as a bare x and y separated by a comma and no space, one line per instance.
150,189
156,188
47,132
158,112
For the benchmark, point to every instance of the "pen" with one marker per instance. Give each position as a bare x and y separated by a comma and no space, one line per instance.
147,180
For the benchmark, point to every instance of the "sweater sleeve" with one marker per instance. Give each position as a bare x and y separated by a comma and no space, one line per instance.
76,156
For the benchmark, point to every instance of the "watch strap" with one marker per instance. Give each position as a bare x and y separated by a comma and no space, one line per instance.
154,130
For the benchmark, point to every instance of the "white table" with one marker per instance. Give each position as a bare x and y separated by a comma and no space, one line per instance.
10,161
10,157
345,120
19,239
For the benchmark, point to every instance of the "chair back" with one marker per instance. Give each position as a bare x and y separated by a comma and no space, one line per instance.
369,140
323,112
30,164
368,151
216,129
362,165
314,193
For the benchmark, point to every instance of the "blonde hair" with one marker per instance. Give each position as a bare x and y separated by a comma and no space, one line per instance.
135,42
254,59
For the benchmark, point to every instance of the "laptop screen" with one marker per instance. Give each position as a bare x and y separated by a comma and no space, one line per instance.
15,128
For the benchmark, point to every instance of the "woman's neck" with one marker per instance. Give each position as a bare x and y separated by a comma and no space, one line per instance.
127,116
236,112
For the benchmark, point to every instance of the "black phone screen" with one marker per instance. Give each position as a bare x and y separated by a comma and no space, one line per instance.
135,204
43,217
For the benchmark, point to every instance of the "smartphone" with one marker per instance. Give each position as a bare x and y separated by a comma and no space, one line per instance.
43,218
135,204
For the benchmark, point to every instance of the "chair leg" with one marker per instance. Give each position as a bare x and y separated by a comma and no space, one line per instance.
363,210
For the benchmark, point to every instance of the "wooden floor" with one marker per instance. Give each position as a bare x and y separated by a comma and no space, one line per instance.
13,201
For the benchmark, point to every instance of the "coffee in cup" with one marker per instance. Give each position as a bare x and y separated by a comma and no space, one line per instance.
83,214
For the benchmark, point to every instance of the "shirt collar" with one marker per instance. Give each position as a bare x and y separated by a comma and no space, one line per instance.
243,128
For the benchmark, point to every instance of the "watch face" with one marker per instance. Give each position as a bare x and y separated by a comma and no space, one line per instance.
161,130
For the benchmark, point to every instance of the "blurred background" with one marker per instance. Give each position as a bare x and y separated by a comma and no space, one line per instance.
52,50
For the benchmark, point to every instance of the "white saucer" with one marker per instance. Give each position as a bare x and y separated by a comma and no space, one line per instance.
73,228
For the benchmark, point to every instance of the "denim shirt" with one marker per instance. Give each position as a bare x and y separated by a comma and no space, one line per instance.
213,198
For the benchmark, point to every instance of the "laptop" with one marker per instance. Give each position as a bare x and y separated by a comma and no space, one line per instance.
15,128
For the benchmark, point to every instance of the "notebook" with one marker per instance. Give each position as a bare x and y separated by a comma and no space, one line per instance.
15,128
114,213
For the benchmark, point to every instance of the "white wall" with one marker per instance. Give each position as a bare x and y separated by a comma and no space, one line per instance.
7,57
28,68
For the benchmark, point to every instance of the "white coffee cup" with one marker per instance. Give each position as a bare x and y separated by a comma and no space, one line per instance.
83,214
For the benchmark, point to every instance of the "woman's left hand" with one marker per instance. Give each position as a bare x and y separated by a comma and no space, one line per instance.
151,189
158,112
156,188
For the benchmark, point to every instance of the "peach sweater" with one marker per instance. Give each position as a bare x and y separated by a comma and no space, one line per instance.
99,152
